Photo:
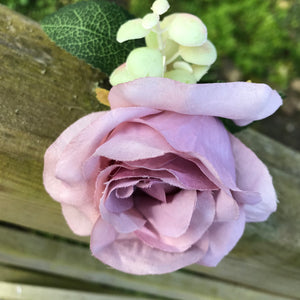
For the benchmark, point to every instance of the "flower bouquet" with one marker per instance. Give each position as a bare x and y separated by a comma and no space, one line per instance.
157,181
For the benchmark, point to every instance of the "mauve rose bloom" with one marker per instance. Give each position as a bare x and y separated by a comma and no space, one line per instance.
158,182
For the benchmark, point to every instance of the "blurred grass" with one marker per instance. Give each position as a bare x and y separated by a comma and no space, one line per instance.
36,9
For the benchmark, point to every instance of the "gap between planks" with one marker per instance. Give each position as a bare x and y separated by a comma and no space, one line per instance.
38,253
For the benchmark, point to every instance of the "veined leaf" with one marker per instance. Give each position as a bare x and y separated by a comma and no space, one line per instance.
88,30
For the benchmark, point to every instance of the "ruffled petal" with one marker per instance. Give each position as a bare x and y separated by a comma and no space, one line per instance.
72,183
242,102
82,146
199,137
187,172
253,176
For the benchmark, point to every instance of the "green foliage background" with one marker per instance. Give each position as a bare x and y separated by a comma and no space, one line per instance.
261,39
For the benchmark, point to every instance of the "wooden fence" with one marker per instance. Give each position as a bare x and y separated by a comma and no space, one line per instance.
43,90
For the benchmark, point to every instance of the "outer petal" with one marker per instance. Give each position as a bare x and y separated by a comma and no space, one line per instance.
59,190
128,254
71,183
253,176
243,102
223,236
85,143
80,219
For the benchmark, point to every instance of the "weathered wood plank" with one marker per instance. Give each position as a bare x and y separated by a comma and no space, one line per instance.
43,90
267,257
11,291
17,274
58,257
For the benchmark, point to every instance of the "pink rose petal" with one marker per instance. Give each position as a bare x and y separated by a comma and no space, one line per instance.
184,170
201,137
116,204
163,185
227,208
157,191
202,219
88,140
242,102
253,175
133,141
80,219
171,218
124,222
103,234
222,236
128,254
59,190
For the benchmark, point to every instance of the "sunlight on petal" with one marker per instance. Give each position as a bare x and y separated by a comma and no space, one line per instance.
160,6
150,20
199,71
203,55
145,62
181,75
152,40
182,65
187,30
132,29
120,75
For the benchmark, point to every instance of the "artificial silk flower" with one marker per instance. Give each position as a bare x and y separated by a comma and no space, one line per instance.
157,181
181,40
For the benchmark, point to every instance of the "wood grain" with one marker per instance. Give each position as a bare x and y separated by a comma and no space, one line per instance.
17,274
12,291
44,89
42,254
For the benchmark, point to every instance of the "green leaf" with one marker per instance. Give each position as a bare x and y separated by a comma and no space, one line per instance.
88,30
